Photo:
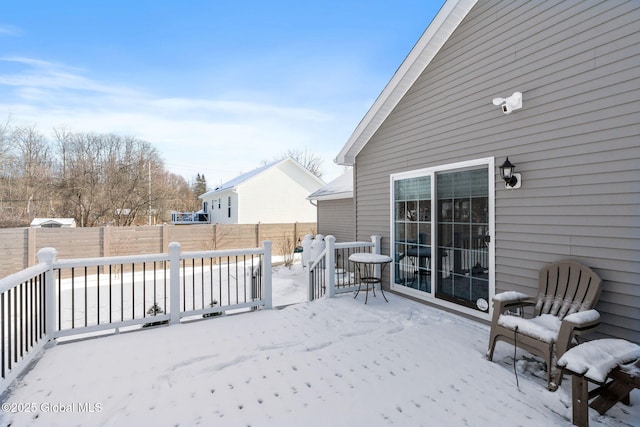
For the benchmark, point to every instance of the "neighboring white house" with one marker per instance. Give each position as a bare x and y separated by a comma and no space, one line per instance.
53,223
274,193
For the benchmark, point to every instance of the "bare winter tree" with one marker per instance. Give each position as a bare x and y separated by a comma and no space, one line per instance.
79,182
131,178
7,186
4,140
33,167
311,161
98,179
108,179
177,194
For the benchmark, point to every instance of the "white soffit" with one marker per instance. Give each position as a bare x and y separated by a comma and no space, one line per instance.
443,25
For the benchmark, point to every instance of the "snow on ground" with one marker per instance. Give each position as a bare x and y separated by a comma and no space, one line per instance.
330,362
289,285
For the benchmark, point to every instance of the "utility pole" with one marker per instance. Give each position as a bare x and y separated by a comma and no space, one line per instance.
149,207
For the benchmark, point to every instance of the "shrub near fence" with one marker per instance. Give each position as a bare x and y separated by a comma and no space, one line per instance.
18,246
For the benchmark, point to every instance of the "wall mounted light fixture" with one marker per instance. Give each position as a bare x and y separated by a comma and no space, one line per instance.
513,102
512,179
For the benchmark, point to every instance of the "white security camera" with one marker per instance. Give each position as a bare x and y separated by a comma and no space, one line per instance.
514,102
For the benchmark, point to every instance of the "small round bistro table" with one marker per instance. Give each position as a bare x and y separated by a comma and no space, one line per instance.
366,264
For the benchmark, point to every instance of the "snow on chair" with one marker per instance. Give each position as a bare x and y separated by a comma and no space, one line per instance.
567,293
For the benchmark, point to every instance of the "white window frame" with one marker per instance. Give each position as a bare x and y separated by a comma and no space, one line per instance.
431,172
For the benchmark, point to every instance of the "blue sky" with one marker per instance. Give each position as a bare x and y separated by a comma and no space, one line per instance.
217,87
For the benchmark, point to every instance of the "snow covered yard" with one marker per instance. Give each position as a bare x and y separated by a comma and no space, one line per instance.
330,362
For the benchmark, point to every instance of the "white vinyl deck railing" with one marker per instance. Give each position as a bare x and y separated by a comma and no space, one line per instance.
189,218
330,272
62,298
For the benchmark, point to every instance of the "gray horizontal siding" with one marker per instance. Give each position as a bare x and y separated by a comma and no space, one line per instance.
336,217
576,141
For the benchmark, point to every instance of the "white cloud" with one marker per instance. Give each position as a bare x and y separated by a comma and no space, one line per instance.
50,75
205,108
218,137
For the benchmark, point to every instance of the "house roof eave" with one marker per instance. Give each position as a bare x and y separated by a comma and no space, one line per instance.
333,196
437,33
339,188
208,194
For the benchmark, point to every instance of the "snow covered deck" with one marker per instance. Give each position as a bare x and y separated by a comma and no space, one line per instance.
328,362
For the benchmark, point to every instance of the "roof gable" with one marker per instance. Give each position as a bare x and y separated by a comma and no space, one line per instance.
61,221
437,33
243,178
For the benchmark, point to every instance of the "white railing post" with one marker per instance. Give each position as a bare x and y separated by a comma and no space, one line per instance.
48,256
306,249
377,247
317,246
376,240
309,281
174,282
267,275
330,266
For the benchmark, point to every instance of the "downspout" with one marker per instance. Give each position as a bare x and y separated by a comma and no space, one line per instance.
315,205
355,197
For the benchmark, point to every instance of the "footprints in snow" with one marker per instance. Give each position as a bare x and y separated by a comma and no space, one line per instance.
315,375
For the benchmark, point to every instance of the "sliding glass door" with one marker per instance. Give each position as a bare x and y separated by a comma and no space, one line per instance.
413,232
463,237
441,223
